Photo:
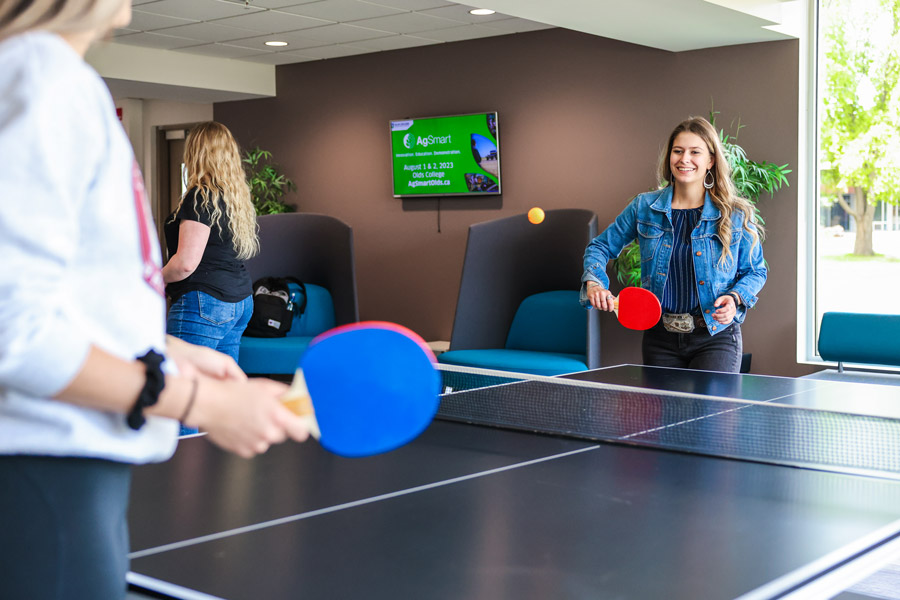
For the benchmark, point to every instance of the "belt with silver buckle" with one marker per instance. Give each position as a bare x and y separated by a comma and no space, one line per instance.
682,322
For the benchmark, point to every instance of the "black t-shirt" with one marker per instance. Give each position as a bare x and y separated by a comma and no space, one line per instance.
220,273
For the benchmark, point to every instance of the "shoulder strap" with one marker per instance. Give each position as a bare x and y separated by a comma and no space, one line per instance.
299,307
263,281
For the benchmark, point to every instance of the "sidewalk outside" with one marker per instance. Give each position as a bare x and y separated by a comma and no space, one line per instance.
858,284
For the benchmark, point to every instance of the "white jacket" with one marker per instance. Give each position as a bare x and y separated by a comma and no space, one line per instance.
72,271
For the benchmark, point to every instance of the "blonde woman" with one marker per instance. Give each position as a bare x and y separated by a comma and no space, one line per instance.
700,254
89,382
210,234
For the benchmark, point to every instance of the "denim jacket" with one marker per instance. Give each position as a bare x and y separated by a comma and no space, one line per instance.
648,218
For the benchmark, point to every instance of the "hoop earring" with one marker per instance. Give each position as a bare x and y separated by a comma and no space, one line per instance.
709,184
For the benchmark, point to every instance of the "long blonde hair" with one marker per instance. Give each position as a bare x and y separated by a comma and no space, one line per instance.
214,167
723,193
57,16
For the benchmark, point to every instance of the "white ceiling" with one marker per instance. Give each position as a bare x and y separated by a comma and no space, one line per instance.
674,25
322,29
313,29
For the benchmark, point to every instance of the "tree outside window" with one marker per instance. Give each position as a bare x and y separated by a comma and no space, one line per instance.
858,238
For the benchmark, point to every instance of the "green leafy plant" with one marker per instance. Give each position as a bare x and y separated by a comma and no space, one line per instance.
750,178
628,265
267,184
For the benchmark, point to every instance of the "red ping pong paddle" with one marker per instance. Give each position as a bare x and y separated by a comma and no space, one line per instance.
366,388
637,308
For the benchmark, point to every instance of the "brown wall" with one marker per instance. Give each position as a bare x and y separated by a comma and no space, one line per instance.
582,120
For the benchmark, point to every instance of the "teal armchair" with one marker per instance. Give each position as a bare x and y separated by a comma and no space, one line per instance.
517,308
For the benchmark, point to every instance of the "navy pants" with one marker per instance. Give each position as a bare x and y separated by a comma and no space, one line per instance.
695,350
63,528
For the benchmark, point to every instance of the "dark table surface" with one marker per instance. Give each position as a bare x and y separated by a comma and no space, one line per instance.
467,511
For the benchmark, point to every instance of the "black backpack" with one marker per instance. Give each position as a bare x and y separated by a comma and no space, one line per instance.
273,307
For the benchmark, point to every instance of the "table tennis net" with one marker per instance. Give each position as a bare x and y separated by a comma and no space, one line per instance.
710,425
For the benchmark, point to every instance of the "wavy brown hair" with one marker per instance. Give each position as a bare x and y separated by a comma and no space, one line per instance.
213,163
723,193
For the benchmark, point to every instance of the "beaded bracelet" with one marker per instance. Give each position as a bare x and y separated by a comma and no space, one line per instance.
153,386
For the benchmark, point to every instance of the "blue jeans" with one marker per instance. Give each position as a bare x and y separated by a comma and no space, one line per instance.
201,319
696,350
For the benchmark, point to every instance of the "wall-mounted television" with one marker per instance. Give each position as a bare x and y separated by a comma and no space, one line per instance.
457,155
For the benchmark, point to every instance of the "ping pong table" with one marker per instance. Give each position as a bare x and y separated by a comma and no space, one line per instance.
513,511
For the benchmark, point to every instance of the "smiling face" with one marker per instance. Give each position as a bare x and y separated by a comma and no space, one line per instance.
690,159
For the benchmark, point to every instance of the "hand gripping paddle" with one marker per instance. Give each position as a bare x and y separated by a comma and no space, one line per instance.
366,388
637,308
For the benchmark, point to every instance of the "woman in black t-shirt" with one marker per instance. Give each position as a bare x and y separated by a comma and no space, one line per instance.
210,234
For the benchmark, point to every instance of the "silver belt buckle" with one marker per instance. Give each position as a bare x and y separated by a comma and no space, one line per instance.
678,323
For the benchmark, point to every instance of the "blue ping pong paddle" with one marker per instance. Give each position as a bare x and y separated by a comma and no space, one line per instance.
366,388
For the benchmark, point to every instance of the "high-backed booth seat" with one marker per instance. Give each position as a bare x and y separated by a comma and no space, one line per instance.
317,250
517,308
862,339
547,337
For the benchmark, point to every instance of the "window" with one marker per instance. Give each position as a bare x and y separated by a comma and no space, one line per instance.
857,232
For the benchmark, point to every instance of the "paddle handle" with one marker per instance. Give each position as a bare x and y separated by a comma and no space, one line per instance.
298,401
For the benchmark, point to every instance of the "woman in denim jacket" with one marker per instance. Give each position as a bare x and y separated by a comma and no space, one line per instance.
700,255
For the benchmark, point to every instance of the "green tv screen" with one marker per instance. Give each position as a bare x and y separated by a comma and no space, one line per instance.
446,156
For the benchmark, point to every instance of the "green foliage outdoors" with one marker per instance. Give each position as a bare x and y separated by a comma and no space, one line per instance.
751,179
267,184
858,258
859,114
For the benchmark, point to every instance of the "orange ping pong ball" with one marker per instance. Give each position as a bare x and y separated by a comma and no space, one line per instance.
536,215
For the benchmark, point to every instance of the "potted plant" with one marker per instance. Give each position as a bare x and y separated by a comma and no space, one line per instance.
750,178
267,184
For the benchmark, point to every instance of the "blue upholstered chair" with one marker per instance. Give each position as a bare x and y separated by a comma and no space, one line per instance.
281,355
517,308
547,337
860,338
317,250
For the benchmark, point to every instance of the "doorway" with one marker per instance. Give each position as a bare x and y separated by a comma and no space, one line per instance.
171,180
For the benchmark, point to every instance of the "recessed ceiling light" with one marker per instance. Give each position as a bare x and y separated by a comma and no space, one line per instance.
481,12
276,43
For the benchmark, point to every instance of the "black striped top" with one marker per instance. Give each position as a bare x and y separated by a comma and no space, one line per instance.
680,294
